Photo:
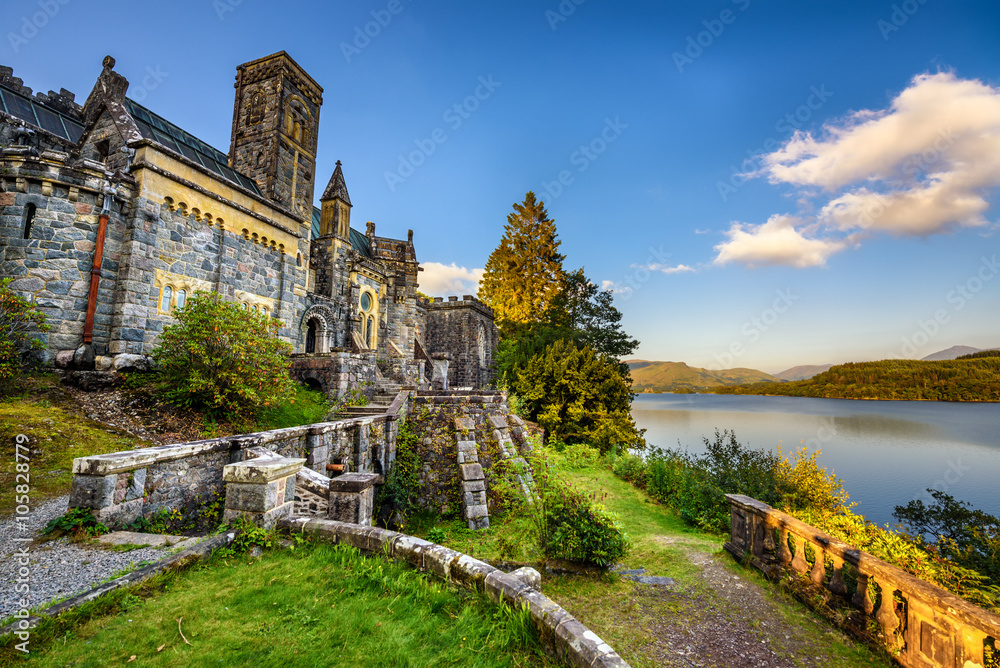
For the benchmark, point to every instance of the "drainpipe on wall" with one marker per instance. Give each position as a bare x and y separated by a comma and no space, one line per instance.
83,358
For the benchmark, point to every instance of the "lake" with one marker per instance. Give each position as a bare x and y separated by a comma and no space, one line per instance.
886,452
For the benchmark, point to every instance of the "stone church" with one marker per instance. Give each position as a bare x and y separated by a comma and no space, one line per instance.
111,217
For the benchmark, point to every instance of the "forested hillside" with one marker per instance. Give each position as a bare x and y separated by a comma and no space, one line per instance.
975,379
679,377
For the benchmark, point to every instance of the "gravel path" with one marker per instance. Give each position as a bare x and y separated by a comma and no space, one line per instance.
58,569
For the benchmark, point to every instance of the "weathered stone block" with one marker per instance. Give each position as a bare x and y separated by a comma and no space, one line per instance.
528,576
472,472
253,497
93,491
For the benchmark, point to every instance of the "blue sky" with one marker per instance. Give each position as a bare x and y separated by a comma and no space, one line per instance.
870,234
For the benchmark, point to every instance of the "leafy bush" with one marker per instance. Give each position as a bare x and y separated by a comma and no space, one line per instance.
223,358
924,562
19,320
570,525
696,485
77,521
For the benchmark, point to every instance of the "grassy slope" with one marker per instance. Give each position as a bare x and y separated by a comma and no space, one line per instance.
315,606
58,432
677,376
628,619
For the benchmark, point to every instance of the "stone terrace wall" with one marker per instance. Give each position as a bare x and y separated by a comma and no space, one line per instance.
433,420
122,486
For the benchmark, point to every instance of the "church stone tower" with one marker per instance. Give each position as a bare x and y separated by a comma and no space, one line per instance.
275,130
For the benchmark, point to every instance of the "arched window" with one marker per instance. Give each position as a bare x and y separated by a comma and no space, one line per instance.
370,333
29,217
181,298
311,337
481,345
165,299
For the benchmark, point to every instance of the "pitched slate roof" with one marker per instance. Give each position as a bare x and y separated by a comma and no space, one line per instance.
155,127
31,111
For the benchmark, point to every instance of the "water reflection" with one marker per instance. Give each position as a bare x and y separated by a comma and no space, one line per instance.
887,452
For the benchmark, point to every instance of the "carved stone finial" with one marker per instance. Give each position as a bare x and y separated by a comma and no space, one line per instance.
109,63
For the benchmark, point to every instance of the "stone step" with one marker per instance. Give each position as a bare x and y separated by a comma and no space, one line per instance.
361,411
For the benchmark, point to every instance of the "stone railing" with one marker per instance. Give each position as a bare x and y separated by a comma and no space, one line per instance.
122,486
931,627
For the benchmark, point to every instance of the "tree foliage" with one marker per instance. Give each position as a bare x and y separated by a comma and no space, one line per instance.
524,273
223,358
579,397
956,530
19,322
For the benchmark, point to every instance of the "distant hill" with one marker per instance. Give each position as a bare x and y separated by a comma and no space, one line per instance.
953,353
802,371
650,376
915,380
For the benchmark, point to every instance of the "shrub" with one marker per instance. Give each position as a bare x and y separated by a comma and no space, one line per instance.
77,521
19,320
224,359
570,525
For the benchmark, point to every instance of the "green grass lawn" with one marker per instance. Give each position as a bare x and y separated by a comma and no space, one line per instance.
318,605
631,617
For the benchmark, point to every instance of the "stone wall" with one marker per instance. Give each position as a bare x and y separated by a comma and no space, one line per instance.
52,265
432,418
465,330
121,486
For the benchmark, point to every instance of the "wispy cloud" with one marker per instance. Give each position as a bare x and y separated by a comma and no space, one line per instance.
925,165
439,280
664,268
700,231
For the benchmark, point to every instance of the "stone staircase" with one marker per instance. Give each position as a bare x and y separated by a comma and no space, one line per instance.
472,479
509,452
348,412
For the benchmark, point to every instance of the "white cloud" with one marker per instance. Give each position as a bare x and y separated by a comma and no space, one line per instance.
441,280
663,268
927,164
699,231
624,290
775,242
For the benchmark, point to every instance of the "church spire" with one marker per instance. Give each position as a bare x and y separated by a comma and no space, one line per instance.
337,188
335,206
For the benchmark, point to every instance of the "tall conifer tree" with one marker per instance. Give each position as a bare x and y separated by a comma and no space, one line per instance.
524,273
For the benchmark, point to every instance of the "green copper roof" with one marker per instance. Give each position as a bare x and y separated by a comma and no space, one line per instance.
359,242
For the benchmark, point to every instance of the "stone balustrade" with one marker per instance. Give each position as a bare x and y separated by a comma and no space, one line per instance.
930,627
123,486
